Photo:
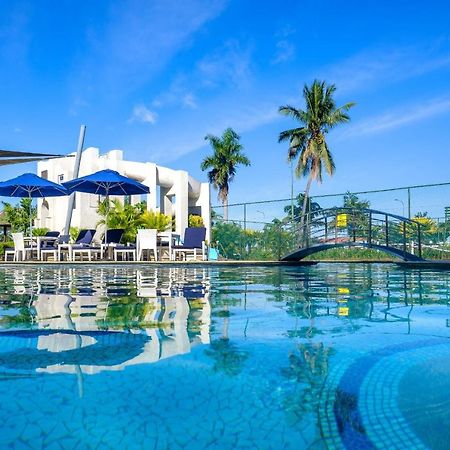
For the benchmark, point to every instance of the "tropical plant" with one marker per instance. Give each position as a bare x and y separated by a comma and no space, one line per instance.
40,231
155,219
223,162
229,238
125,216
428,226
296,209
131,217
73,233
354,202
20,215
308,142
196,221
358,221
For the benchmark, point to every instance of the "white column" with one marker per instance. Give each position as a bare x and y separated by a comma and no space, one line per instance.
204,201
150,181
181,201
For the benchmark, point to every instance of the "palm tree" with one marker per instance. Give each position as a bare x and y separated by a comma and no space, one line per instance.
223,162
308,141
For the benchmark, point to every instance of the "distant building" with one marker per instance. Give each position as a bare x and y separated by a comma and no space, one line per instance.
172,192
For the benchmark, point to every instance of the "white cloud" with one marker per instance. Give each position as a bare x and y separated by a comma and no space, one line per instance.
285,48
379,67
229,64
177,94
190,139
18,130
140,39
285,52
142,114
189,101
398,118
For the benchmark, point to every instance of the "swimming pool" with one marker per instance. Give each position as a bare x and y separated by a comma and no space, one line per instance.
333,355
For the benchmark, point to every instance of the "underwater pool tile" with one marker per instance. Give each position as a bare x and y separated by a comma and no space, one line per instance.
254,376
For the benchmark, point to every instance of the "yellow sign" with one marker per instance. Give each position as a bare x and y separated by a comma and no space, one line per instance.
343,311
341,220
343,290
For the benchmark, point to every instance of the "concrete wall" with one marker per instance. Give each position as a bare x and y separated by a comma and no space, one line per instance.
178,192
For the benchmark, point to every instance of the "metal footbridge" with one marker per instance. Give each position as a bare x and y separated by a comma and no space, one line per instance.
354,227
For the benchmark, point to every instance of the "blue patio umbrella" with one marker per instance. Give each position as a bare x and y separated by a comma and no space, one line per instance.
31,186
106,182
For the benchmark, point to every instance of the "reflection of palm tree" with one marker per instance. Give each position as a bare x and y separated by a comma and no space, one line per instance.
226,355
308,368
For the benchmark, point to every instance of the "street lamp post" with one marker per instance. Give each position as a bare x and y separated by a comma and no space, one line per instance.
403,205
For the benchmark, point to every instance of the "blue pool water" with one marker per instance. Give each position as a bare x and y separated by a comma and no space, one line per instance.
328,356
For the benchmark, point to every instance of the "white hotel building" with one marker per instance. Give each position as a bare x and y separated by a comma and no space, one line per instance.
172,192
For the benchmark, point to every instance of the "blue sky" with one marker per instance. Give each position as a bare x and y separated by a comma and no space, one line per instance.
154,77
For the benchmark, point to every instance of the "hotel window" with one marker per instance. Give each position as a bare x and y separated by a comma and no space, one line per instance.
60,178
44,174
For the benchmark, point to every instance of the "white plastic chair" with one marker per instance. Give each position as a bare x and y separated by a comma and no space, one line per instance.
20,251
146,240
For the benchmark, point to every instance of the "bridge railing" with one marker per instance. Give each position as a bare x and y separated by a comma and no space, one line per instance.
365,226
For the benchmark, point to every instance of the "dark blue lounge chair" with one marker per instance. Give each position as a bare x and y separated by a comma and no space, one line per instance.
193,242
83,244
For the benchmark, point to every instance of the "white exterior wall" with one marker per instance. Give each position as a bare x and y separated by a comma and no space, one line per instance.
178,191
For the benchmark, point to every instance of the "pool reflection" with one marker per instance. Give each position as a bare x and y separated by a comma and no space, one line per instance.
88,320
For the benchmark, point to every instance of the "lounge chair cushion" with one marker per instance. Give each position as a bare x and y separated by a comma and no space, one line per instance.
193,238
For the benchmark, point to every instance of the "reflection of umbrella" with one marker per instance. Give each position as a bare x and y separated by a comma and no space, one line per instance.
106,182
109,349
31,186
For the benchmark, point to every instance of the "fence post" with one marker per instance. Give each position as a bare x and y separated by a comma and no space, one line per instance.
279,241
409,203
404,240
307,229
387,230
245,216
369,240
335,228
419,240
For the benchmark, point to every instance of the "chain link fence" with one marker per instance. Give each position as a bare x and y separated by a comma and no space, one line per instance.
266,230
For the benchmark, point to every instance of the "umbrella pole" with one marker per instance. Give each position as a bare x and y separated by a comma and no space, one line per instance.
106,222
31,219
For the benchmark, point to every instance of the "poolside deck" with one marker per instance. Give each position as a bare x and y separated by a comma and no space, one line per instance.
443,264
165,263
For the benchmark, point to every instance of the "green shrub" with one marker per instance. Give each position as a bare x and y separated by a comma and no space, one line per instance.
4,245
19,215
156,220
74,232
40,231
195,221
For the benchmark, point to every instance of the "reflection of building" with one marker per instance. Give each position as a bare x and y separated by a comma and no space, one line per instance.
173,192
110,318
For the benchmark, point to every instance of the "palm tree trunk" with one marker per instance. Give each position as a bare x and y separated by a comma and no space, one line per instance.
225,208
305,202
